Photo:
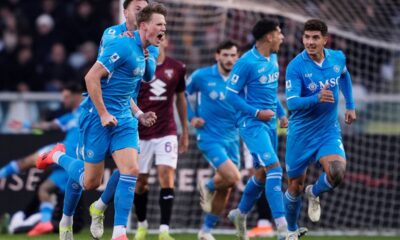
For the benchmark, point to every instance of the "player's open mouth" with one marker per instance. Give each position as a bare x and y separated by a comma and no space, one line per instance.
160,36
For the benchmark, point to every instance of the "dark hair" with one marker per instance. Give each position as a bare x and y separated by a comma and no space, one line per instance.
145,14
316,25
127,2
263,27
227,44
73,87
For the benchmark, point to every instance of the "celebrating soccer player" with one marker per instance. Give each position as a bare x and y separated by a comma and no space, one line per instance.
313,80
217,136
107,124
253,91
160,140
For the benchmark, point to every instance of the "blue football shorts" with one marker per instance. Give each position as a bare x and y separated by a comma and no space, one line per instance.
302,152
262,143
218,152
96,141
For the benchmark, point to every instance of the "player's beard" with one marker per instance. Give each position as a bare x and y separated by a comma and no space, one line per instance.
225,68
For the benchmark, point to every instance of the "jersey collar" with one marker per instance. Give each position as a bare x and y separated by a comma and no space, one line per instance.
215,69
215,72
123,27
258,55
137,38
327,63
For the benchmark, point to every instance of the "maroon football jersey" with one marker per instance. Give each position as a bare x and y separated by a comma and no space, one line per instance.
158,96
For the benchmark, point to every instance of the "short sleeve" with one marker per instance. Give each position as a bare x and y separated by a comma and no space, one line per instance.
238,77
113,54
63,121
293,82
192,85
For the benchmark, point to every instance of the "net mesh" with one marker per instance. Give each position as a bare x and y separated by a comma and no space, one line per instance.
368,32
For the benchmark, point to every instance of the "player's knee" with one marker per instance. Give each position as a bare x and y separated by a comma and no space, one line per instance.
295,188
130,170
142,185
260,175
233,178
92,183
236,178
337,170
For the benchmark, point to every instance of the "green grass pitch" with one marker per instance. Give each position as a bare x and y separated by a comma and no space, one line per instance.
86,236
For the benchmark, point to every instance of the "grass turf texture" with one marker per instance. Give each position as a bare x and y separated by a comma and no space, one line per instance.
85,235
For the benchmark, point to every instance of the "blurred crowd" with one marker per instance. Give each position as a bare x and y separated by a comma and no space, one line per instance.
46,43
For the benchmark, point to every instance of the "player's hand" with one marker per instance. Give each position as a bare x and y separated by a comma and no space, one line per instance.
265,115
283,122
127,34
108,120
197,122
146,53
325,95
183,143
15,124
148,119
350,116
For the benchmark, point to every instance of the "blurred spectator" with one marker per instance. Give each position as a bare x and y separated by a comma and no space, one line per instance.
44,38
83,59
22,72
84,26
56,71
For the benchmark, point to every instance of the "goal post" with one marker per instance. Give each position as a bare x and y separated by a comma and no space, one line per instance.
368,32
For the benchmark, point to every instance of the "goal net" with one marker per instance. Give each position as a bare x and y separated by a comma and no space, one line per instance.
368,31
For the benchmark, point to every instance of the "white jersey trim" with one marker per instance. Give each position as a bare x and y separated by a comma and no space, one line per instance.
232,90
104,66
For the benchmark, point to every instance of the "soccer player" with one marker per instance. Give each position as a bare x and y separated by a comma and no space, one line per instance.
160,141
107,124
313,80
131,9
252,91
25,219
217,136
71,97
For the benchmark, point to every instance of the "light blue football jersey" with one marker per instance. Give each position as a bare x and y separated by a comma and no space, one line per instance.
116,31
69,123
219,116
255,79
124,60
305,78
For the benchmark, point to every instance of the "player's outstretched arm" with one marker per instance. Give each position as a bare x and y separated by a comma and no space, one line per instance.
181,106
194,120
93,84
45,125
345,86
56,124
239,103
147,119
280,111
